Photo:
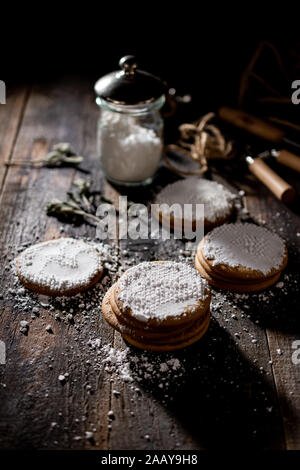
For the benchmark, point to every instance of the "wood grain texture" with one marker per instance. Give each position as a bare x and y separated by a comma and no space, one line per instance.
234,389
33,397
281,317
11,115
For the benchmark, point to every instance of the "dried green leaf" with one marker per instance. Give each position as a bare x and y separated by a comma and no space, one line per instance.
59,207
52,158
60,154
83,186
72,160
73,198
63,147
56,207
55,158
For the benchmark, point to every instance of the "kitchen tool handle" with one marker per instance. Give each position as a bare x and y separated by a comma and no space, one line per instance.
251,124
280,188
289,159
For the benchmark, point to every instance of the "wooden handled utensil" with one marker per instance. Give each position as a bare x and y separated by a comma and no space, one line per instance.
280,188
288,159
252,124
284,157
263,130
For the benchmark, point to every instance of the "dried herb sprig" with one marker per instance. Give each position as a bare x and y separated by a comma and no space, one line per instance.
56,207
83,190
63,147
80,202
61,154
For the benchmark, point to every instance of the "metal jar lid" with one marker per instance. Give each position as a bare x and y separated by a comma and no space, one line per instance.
130,86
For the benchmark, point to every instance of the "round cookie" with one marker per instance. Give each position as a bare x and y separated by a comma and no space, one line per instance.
146,329
243,251
156,334
108,312
168,325
182,339
166,346
64,266
218,203
223,277
160,306
162,294
236,286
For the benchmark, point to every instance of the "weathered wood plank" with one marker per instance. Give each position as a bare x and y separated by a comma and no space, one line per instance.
281,318
33,398
223,392
10,119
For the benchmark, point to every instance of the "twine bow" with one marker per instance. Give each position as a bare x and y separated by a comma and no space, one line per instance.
200,142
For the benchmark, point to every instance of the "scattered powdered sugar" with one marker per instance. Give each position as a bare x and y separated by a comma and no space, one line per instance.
133,366
81,309
60,264
140,375
216,198
128,150
160,290
115,361
246,245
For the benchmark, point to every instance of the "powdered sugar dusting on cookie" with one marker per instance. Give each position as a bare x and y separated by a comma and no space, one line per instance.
161,290
216,198
60,264
246,245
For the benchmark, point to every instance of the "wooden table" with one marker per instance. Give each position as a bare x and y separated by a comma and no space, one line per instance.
240,387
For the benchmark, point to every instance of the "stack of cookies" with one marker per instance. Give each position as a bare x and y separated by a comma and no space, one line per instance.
159,306
241,257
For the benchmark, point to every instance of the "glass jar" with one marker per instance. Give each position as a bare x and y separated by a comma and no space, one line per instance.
130,127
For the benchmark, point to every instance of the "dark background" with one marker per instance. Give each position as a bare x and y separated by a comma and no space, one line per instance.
186,47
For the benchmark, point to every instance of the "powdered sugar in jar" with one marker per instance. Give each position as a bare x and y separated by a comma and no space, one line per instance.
130,127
